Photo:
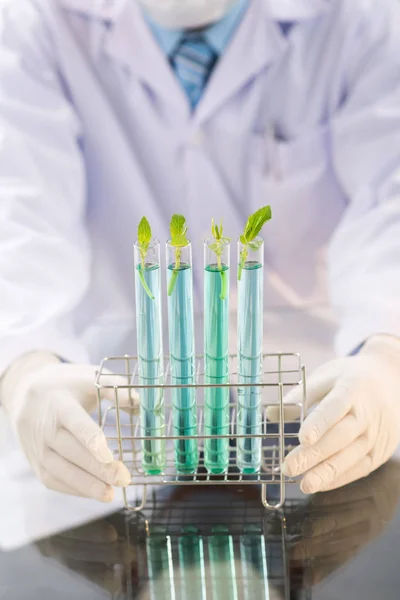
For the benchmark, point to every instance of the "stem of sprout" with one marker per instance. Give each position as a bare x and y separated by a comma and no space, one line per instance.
223,277
175,272
143,281
243,258
224,283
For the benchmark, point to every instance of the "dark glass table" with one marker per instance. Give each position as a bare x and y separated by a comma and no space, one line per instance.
215,543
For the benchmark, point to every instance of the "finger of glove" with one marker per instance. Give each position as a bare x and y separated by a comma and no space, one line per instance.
86,485
362,469
82,381
330,411
67,446
302,459
324,476
291,414
320,382
128,399
52,482
74,418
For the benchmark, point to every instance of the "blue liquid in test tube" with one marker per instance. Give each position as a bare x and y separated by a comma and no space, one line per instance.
182,356
150,357
250,361
216,358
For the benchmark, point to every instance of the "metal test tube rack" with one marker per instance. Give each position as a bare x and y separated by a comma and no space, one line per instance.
281,372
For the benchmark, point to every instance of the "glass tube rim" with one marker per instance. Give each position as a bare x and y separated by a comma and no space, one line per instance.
169,245
258,238
210,240
154,242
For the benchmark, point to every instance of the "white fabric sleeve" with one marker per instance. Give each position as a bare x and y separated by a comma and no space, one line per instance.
364,254
44,249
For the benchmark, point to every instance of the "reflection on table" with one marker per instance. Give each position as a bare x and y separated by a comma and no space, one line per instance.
211,543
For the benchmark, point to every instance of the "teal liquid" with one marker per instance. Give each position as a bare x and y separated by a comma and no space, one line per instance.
191,562
250,365
222,564
182,357
216,351
150,368
254,564
160,566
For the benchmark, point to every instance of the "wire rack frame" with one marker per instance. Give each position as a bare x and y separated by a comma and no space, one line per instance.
121,423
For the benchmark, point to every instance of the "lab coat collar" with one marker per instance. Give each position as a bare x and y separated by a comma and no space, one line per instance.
257,43
130,42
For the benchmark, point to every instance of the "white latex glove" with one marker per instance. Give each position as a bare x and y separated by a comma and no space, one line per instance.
355,426
48,404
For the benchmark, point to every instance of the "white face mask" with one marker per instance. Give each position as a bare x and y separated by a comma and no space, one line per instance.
186,14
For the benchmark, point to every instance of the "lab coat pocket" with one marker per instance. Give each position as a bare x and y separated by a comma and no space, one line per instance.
295,177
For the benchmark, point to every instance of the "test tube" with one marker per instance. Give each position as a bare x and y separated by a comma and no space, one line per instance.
150,356
182,355
216,357
250,358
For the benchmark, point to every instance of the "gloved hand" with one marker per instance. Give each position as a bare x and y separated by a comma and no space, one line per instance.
48,405
355,426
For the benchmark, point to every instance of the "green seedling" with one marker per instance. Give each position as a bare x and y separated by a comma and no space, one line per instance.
253,228
218,247
144,239
179,240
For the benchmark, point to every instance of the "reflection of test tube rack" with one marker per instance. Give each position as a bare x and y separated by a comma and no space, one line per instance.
215,562
280,373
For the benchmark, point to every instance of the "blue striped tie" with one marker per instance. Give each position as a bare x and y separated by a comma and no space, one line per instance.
193,62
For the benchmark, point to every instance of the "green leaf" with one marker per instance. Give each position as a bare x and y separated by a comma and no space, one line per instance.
179,240
178,231
214,247
255,244
218,232
144,233
225,240
213,228
177,226
255,223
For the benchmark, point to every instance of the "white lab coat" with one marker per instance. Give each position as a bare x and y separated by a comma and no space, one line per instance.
95,131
